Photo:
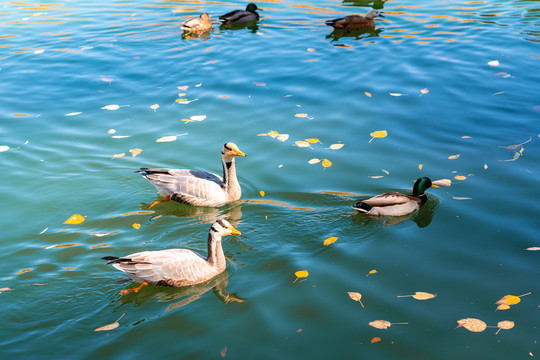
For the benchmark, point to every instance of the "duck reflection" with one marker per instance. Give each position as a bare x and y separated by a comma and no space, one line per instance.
179,297
421,217
356,34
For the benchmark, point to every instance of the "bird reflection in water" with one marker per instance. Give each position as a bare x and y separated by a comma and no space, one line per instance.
204,215
356,34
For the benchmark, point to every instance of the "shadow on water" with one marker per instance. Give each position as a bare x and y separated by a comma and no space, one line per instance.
421,217
179,297
356,34
204,215
377,4
205,35
253,26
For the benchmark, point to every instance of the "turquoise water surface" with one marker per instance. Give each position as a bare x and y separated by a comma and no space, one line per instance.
455,85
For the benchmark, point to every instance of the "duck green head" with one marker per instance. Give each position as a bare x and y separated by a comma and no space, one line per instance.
251,7
421,185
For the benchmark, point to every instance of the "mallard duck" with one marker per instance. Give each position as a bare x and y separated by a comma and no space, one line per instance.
395,203
200,24
176,267
241,16
199,188
355,22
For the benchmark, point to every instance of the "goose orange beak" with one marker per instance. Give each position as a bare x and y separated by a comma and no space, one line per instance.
235,232
239,153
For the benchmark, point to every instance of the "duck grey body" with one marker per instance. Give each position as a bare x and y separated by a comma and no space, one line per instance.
199,188
395,203
177,267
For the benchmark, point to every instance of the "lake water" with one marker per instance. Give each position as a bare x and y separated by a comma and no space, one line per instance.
442,78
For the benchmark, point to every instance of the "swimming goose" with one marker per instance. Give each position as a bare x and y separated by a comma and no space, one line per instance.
355,22
395,203
176,267
199,24
241,16
199,188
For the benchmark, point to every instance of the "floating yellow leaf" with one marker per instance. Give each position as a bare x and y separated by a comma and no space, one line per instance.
326,163
452,157
166,138
273,133
302,144
380,324
503,307
314,161
283,137
420,166
74,219
154,107
442,182
301,274
376,339
22,271
112,326
19,115
419,295
510,300
135,152
262,193
118,155
378,134
471,324
111,107
424,91
355,296
136,226
330,240
504,325
371,272
301,115
460,177
312,141
367,94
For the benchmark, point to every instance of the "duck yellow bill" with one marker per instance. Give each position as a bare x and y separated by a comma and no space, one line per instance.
235,232
435,186
239,153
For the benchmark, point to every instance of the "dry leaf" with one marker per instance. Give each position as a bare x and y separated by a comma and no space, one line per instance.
336,146
112,326
302,144
494,63
154,107
136,226
282,137
313,141
301,115
73,113
471,324
311,49
510,300
380,324
420,166
74,219
314,161
355,296
504,325
166,138
378,134
452,157
460,177
485,166
135,152
419,295
118,155
424,91
262,193
4,148
4,289
301,274
503,307
111,107
442,182
397,94
22,271
197,117
326,163
375,339
183,87
367,94
330,240
371,272
223,352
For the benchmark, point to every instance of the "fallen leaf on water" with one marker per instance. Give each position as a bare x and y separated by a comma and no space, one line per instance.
385,171
534,248
183,88
375,340
378,134
383,324
376,176
262,193
5,289
313,141
154,107
223,352
197,117
504,325
336,146
311,49
420,166
73,113
452,157
259,83
118,155
314,161
105,234
60,246
74,219
471,324
301,274
302,144
167,138
367,94
326,163
502,307
460,177
135,152
371,272
112,326
420,295
111,107
485,166
355,296
424,91
442,182
330,240
136,226
516,156
397,94
509,300
301,115
198,85
513,147
282,137
4,148
494,63
99,246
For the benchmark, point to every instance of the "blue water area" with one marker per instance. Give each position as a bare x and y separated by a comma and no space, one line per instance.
449,90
